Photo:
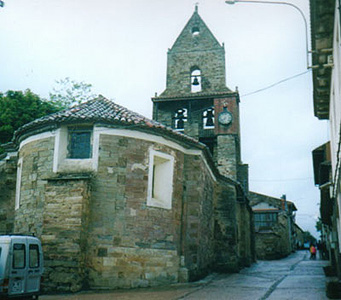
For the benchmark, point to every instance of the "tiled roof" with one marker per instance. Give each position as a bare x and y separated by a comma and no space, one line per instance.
100,110
165,96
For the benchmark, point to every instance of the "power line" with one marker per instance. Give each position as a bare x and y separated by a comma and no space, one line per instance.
280,180
276,83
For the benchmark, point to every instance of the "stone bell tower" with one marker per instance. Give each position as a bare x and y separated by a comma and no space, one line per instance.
196,101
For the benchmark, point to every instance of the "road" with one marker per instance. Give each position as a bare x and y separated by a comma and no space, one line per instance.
294,277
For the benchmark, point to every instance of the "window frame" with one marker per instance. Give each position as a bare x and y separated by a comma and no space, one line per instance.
196,74
160,178
78,130
14,256
205,118
18,183
267,223
36,249
177,117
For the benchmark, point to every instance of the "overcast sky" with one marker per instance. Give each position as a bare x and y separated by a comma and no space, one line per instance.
120,48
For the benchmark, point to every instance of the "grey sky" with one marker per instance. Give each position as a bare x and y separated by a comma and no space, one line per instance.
120,48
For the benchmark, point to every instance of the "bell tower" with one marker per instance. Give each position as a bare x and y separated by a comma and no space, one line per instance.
196,100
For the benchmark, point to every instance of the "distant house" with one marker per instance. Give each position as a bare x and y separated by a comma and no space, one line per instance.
299,237
274,221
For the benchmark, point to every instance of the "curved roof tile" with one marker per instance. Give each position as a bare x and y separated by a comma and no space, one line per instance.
103,110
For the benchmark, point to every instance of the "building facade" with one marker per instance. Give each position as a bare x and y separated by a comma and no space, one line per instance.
196,100
120,201
275,231
325,35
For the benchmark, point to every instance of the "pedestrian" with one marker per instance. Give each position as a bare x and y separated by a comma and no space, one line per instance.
312,251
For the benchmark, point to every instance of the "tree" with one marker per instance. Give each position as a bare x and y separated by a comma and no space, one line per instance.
18,108
318,225
70,92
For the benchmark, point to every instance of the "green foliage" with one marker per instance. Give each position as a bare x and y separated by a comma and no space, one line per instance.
318,225
70,92
18,108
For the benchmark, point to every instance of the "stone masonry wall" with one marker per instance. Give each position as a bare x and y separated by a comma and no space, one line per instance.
274,244
211,63
227,158
132,244
195,50
64,235
98,232
245,251
225,229
36,167
198,236
8,173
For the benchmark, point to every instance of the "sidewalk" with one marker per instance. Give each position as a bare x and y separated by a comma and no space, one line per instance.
294,277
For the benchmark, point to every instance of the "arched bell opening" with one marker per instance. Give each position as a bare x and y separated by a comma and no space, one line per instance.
196,81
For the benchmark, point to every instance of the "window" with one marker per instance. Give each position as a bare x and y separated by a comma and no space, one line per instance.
79,143
180,117
19,256
195,31
208,118
265,220
196,80
34,256
160,180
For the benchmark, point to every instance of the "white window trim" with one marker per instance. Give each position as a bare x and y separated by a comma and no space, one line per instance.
18,183
204,118
63,164
165,200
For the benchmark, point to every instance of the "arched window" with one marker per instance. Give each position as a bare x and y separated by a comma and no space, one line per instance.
196,81
208,118
195,31
180,117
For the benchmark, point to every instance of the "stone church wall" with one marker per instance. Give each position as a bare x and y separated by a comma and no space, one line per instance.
131,244
179,65
8,173
199,218
97,230
225,229
64,234
36,157
246,253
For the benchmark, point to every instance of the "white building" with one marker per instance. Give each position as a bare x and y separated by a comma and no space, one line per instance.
325,33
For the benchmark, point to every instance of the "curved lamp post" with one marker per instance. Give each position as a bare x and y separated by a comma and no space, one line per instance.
282,3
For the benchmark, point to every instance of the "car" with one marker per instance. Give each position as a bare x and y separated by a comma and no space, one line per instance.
21,266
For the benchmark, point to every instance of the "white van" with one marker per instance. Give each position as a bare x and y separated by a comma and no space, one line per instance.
21,266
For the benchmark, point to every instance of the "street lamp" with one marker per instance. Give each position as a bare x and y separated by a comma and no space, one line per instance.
283,3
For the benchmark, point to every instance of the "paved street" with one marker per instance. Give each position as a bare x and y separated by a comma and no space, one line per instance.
295,277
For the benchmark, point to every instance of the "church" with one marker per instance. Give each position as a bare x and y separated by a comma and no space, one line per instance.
122,201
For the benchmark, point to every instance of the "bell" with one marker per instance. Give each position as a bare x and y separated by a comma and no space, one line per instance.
195,81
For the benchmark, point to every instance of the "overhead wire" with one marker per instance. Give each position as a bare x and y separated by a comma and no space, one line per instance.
276,83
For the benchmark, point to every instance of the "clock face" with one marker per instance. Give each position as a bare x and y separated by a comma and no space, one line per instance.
225,118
